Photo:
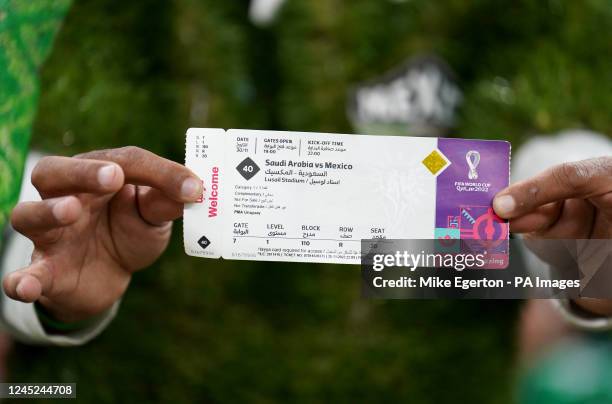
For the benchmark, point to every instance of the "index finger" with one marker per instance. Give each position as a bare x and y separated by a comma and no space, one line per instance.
580,179
141,167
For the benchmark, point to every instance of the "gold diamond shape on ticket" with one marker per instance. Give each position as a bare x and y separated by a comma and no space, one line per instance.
435,162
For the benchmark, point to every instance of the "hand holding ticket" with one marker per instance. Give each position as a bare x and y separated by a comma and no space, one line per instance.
312,197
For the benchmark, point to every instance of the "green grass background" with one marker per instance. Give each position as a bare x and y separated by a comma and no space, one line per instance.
194,330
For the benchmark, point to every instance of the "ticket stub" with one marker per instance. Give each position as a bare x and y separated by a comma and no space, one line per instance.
312,197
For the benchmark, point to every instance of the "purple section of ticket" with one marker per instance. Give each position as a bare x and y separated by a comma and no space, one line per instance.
479,169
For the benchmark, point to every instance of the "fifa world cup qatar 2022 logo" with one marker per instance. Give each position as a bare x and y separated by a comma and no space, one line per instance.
473,159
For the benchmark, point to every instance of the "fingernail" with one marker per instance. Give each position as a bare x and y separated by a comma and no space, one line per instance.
191,188
504,205
60,209
19,289
106,176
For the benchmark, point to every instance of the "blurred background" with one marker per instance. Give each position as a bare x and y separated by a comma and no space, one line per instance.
193,330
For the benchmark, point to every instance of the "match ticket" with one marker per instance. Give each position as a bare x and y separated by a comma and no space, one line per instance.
312,197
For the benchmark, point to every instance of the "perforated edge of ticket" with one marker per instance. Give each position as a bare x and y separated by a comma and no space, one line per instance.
312,197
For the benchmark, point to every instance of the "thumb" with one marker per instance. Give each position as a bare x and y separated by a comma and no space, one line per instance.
30,283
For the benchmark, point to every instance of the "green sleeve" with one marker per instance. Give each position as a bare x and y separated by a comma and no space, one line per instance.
27,29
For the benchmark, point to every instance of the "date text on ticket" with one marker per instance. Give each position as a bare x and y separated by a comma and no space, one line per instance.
312,197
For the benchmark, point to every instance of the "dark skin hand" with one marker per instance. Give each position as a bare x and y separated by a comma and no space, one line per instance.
568,201
104,215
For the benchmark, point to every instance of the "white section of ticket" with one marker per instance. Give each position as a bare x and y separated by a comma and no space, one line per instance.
312,197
